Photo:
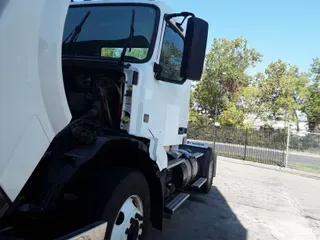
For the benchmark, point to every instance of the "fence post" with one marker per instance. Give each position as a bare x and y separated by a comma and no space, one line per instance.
214,127
245,145
214,138
288,144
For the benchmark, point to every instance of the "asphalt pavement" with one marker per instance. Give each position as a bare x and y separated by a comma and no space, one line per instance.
249,201
304,158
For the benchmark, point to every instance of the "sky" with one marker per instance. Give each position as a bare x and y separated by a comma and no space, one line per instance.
285,29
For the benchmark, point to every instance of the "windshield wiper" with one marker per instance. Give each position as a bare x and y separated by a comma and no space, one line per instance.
76,31
130,38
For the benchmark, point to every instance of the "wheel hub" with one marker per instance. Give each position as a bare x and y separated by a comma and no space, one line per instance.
135,227
129,222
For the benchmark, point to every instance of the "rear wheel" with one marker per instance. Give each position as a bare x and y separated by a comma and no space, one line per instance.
121,197
209,175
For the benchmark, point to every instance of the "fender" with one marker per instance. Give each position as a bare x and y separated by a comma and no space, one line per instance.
88,152
62,170
155,178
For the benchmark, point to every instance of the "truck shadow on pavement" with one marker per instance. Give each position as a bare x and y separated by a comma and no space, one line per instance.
202,217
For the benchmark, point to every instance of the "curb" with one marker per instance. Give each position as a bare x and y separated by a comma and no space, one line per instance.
271,167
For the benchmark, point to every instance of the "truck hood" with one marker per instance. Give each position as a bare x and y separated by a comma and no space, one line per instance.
33,105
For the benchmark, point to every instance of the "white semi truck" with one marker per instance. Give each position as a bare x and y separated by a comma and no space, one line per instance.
94,100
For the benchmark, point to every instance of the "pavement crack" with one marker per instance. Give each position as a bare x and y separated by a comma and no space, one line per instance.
273,235
312,218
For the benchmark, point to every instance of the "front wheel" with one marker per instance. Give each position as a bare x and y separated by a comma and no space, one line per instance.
121,197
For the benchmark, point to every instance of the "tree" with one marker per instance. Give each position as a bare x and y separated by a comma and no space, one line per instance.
279,94
196,118
225,73
232,116
312,106
170,60
315,70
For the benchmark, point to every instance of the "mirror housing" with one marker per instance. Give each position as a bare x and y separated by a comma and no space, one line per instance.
194,49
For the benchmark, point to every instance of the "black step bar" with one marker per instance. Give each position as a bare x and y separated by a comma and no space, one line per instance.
176,202
199,183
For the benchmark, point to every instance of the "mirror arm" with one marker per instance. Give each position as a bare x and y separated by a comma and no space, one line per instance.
185,15
182,14
179,25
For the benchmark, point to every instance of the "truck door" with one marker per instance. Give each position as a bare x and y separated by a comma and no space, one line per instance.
173,93
33,107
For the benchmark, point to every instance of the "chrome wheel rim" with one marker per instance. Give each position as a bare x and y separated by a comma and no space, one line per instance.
129,221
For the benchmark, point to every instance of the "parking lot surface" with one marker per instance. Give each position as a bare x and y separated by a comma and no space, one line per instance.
249,201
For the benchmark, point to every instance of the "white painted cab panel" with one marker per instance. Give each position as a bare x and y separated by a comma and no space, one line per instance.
33,108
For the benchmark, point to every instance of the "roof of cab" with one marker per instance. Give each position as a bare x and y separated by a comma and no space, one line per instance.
162,5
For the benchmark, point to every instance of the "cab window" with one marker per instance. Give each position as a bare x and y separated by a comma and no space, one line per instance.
171,55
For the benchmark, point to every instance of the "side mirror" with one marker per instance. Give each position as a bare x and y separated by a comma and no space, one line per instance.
194,49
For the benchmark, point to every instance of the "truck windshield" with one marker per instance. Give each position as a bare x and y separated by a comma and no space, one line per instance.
105,31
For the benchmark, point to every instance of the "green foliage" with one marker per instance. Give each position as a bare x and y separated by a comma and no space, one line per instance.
306,143
170,61
279,94
232,116
224,74
282,92
305,167
198,119
312,107
315,70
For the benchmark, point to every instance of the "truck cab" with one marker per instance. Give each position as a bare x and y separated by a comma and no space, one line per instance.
95,94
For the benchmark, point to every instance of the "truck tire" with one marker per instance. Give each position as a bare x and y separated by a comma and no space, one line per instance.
209,174
121,197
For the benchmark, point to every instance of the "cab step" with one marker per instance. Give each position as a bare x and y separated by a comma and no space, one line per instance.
176,202
199,183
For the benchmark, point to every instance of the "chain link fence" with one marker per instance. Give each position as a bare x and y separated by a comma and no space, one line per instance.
305,142
265,145
304,150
